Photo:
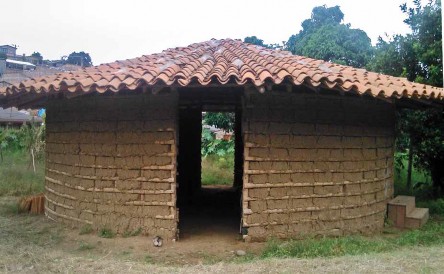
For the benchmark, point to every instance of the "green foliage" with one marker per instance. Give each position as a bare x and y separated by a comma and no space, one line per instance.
421,180
431,234
435,207
106,233
213,146
325,37
259,42
80,59
221,120
418,56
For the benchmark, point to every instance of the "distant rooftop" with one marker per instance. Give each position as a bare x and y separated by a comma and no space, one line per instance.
14,116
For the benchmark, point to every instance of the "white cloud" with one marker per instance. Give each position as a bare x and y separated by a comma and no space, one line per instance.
111,30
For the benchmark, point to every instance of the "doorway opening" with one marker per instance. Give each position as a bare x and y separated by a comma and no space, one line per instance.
210,170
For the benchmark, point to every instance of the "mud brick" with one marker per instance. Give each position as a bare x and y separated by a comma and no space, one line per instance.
87,160
258,192
128,173
256,218
155,186
278,192
353,176
301,228
279,178
352,200
301,203
302,215
258,179
105,161
259,152
278,218
332,189
106,172
277,204
258,206
128,184
157,197
258,139
156,174
300,190
279,140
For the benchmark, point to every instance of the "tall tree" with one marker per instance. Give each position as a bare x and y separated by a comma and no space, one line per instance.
418,56
80,59
325,36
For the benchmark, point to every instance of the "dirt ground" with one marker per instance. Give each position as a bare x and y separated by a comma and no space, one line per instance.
30,244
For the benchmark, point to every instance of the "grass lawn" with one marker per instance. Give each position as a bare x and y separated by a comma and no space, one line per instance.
217,170
17,177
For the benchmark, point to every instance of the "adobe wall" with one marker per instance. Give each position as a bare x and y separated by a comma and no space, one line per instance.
316,164
111,162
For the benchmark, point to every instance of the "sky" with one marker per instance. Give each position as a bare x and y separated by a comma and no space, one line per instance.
115,30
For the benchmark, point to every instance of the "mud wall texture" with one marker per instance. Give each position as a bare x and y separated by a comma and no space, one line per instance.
111,162
316,164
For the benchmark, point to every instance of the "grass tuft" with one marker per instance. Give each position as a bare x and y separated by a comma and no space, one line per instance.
133,233
11,208
86,229
106,233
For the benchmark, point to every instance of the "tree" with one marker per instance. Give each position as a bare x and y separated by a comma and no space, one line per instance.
222,120
418,57
38,56
259,42
80,59
325,36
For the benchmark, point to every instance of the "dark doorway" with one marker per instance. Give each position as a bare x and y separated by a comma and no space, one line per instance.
207,209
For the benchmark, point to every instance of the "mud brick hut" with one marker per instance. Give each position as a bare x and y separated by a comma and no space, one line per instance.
314,140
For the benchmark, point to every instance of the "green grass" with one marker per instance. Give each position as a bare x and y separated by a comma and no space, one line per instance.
133,233
217,170
17,178
86,229
431,234
106,233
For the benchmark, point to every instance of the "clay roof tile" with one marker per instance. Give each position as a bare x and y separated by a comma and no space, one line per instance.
219,62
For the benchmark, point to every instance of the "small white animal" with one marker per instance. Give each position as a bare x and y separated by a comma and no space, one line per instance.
157,241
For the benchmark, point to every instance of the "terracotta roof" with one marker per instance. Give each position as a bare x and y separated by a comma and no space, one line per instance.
221,62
